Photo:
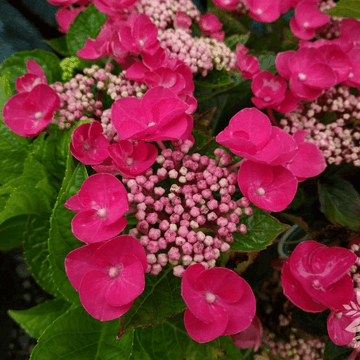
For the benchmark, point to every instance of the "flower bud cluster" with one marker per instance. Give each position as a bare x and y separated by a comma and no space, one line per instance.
295,348
162,12
77,95
192,219
339,141
331,30
200,54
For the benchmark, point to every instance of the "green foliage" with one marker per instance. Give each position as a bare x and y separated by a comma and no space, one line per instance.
59,45
262,230
232,41
340,202
15,65
346,8
5,90
231,352
61,238
170,341
35,237
160,299
11,232
76,335
231,24
68,65
214,79
312,323
267,62
86,25
38,318
334,352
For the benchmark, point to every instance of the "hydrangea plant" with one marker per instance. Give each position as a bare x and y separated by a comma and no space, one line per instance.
160,208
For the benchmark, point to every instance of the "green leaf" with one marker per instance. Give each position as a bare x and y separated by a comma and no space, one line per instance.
38,318
232,352
31,193
262,230
231,25
13,151
86,25
170,341
160,299
334,352
11,232
5,90
36,252
214,79
15,65
346,8
267,62
232,41
312,323
76,335
61,238
340,202
59,45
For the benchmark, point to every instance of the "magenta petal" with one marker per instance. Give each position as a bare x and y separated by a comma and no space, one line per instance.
242,312
74,204
308,161
296,293
320,76
113,251
336,327
301,90
128,284
80,261
194,298
250,337
217,280
92,296
282,63
203,332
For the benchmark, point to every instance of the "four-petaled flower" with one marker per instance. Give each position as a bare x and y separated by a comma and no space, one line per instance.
219,302
108,276
100,203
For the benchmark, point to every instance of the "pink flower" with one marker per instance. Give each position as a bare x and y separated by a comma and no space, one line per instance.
33,77
350,31
271,188
307,71
140,35
343,324
113,7
29,113
250,337
219,302
65,17
182,20
248,65
88,144
263,10
209,24
269,89
250,135
219,35
315,277
108,276
159,115
226,4
62,2
308,161
133,160
100,204
307,18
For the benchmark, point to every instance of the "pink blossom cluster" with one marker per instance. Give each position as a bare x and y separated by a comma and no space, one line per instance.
163,12
200,54
275,161
295,349
77,101
339,140
331,30
193,221
30,111
308,16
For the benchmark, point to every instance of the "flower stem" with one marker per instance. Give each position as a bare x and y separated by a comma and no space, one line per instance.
272,117
354,354
161,145
232,167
